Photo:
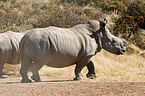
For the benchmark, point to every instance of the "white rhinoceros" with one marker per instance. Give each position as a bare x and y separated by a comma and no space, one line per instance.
9,49
62,47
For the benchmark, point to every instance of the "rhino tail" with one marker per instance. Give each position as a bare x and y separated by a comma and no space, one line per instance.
21,47
18,58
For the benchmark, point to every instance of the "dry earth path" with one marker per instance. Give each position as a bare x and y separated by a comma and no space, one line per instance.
64,86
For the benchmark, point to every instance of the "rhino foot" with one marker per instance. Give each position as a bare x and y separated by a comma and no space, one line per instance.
5,76
36,79
78,78
26,81
91,76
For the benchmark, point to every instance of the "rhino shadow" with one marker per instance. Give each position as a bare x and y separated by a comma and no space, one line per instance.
37,82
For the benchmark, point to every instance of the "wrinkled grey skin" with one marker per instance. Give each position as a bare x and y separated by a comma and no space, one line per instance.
9,49
62,47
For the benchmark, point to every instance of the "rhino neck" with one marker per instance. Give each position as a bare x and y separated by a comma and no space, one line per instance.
98,40
97,35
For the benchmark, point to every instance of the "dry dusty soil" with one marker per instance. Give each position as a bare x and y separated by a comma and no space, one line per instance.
64,86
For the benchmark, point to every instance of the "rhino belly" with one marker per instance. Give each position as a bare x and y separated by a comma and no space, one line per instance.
60,61
15,57
6,55
14,60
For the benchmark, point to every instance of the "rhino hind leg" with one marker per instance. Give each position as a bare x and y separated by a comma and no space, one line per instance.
36,77
35,68
24,69
91,74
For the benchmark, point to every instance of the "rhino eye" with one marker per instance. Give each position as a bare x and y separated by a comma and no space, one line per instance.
114,40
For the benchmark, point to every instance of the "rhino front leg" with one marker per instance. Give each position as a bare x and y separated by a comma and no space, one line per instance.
91,68
80,65
78,72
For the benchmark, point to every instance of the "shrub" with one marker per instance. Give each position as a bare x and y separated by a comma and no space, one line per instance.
111,5
66,15
19,15
139,38
106,5
132,20
79,2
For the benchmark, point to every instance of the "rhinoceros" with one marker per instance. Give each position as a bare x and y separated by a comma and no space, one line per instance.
9,49
62,47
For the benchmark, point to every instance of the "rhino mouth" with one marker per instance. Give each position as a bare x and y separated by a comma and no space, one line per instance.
121,52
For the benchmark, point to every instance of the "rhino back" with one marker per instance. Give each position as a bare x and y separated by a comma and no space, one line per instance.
9,49
15,40
58,47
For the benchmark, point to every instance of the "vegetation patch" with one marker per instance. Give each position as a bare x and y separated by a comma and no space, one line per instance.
133,19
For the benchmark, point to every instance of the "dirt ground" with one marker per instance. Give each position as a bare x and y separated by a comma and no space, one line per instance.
64,86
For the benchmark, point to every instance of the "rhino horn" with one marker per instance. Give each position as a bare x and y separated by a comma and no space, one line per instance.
128,37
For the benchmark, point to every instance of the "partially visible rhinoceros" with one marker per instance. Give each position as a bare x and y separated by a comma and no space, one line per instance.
9,49
62,47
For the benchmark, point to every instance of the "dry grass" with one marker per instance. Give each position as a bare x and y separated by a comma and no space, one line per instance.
12,70
120,68
111,17
109,67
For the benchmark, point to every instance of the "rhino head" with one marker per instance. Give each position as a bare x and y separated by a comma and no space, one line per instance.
105,39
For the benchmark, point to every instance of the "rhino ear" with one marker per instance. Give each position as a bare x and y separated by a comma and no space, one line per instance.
105,21
103,24
94,24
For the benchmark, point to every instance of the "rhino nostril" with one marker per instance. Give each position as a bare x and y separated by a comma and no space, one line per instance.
123,50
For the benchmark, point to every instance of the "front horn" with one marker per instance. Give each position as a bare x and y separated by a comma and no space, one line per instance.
128,37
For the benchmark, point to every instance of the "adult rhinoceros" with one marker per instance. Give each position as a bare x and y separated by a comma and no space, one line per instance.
61,47
9,49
